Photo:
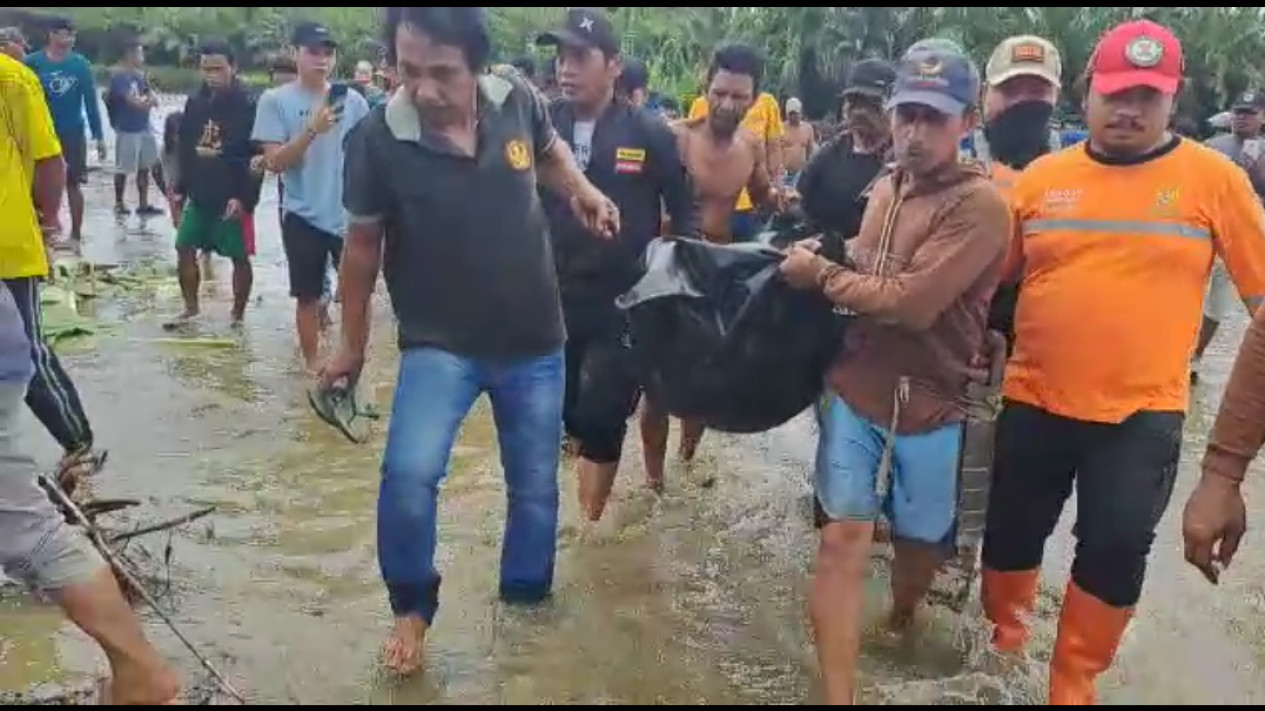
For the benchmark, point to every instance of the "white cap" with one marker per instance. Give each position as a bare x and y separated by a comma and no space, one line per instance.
794,106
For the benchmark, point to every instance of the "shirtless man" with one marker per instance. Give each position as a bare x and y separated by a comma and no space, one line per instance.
799,143
722,159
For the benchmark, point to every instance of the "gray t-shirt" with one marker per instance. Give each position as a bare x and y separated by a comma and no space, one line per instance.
314,187
1233,147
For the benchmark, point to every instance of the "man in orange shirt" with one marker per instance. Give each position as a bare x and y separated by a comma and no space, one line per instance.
1118,239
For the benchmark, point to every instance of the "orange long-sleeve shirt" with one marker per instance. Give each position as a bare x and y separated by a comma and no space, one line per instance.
1115,262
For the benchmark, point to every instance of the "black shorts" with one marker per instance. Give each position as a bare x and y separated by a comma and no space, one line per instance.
602,383
309,252
1123,476
74,150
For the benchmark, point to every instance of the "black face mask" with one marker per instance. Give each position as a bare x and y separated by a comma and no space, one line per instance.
1020,134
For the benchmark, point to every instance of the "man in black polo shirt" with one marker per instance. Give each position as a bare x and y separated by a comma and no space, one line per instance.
444,182
630,154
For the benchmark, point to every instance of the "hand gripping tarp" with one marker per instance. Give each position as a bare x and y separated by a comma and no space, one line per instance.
720,338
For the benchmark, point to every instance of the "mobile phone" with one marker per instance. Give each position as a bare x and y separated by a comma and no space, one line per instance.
337,96
1252,149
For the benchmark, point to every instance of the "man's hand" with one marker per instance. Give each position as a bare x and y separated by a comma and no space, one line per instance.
343,371
258,164
234,210
102,154
1214,525
800,269
597,212
324,120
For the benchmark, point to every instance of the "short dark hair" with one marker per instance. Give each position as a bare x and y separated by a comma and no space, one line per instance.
463,27
217,47
526,66
738,59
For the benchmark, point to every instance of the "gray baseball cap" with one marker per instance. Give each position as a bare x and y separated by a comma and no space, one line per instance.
940,77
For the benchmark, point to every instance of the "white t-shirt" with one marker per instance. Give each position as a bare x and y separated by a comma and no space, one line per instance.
582,146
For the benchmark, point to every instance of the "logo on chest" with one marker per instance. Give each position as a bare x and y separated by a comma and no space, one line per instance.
517,155
1167,204
1062,201
630,161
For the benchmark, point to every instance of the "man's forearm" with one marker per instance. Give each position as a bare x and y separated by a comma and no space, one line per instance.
49,185
559,171
358,275
289,155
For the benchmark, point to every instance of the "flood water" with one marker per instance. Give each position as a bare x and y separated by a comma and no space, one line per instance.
698,598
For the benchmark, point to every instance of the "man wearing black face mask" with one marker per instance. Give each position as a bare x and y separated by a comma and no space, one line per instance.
1024,77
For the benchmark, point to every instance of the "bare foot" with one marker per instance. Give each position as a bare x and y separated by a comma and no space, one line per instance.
403,652
184,319
139,685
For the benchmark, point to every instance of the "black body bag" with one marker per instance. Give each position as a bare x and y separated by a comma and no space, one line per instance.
720,338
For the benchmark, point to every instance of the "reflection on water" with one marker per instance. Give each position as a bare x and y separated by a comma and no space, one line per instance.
698,598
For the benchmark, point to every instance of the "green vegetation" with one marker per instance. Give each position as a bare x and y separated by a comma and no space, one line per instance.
808,47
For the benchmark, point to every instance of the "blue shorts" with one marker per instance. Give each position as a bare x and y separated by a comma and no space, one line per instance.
921,503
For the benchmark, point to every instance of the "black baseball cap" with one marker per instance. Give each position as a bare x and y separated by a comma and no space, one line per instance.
313,35
871,77
1250,101
585,28
636,75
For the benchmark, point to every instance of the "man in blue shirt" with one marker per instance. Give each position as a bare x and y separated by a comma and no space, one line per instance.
69,89
302,126
130,104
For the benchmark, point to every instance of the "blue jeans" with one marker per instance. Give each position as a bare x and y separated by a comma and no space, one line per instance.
432,398
921,503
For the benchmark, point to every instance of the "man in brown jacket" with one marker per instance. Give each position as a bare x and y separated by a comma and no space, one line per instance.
1216,516
928,259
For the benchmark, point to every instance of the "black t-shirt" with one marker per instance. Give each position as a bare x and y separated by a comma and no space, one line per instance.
467,258
833,184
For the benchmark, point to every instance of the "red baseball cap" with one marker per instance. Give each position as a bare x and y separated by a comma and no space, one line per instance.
1138,53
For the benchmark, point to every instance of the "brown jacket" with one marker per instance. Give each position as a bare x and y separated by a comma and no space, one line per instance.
924,315
1240,430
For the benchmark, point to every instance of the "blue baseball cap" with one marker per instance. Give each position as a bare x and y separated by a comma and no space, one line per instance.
937,76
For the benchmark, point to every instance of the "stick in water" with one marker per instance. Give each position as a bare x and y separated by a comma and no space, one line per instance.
98,540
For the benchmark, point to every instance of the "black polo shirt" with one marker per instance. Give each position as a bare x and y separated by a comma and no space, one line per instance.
467,259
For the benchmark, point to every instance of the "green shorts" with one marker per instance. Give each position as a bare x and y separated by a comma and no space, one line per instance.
208,231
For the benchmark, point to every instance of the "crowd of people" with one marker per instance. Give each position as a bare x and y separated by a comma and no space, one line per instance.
1020,236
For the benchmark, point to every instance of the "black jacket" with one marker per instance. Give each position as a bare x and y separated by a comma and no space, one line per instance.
215,149
833,187
635,162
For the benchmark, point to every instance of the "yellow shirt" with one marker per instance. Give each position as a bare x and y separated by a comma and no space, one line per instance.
764,120
26,137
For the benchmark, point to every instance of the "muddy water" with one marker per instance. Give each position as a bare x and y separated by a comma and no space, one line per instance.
698,598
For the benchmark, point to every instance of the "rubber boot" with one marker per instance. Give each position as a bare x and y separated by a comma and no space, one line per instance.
1009,600
1089,636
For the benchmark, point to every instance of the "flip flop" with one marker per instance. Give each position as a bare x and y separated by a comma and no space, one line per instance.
337,408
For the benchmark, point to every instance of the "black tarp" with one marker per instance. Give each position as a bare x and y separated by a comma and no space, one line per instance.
720,338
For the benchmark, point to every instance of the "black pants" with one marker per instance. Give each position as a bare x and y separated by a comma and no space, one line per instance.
309,251
1123,474
602,385
52,396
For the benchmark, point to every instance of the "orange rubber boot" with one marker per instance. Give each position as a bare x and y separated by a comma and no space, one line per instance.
1009,599
1090,632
